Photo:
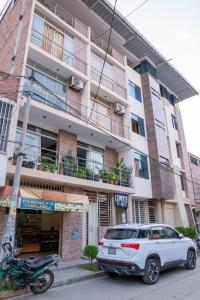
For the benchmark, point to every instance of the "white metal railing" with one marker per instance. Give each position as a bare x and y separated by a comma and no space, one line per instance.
62,13
108,83
104,45
110,124
56,50
47,160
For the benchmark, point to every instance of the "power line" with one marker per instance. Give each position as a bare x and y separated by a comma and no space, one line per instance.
108,45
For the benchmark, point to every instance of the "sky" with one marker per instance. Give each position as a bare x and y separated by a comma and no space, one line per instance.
173,27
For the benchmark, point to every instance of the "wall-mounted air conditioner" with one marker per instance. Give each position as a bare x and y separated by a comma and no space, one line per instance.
76,83
119,109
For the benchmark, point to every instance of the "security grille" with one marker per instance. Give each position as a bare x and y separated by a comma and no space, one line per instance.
139,211
104,209
5,120
152,211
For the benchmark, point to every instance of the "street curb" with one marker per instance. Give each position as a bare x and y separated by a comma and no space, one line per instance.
58,284
77,279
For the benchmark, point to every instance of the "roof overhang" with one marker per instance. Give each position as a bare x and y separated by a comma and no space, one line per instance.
141,48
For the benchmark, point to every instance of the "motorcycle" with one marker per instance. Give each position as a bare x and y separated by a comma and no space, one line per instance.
16,273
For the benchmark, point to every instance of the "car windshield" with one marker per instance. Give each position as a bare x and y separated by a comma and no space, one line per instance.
121,234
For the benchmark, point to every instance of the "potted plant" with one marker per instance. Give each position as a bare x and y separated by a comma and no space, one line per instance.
82,173
103,175
69,164
89,174
111,177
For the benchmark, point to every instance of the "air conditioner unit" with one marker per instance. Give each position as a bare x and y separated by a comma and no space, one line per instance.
119,109
76,83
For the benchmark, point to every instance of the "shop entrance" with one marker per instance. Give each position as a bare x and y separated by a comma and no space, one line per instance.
37,231
121,215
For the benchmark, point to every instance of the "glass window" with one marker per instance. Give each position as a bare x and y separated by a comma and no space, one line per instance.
58,88
68,49
137,125
5,120
157,233
134,91
170,233
141,166
121,234
174,122
37,30
139,211
97,64
143,233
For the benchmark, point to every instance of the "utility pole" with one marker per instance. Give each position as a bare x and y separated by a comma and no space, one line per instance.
11,223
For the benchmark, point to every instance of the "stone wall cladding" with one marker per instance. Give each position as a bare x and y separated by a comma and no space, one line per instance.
9,26
74,102
67,142
70,248
111,157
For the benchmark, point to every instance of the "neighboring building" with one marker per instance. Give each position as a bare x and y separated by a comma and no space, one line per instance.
194,177
70,161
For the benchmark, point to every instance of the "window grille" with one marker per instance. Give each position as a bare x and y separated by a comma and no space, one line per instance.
152,211
104,210
139,211
5,120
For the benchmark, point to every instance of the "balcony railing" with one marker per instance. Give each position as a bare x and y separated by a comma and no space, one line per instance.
110,124
108,83
58,102
56,50
47,160
61,12
103,45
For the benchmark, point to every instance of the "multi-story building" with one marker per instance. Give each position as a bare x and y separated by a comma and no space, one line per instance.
194,184
122,152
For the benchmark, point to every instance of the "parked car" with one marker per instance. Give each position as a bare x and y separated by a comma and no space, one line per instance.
145,250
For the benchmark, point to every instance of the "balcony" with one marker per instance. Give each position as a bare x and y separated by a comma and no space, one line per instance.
103,46
66,168
110,124
63,14
58,52
109,84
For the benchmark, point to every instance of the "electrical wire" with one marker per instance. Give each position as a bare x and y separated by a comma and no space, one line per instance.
105,57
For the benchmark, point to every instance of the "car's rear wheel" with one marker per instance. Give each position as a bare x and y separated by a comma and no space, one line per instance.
191,260
152,271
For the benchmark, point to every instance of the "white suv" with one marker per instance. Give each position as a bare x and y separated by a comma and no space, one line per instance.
145,250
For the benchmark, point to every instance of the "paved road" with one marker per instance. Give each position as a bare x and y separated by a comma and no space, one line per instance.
173,284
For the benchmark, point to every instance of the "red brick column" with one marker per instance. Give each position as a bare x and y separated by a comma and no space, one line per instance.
71,247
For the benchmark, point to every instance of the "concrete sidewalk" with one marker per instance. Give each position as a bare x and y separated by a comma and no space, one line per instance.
66,273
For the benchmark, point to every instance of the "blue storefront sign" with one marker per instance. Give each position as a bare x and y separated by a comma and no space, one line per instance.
121,200
37,204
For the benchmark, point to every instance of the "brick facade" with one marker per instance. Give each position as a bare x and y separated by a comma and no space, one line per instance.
71,240
111,157
13,39
67,142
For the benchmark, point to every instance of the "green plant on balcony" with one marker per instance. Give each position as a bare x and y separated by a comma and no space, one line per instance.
68,165
82,173
47,164
89,174
123,172
103,174
112,177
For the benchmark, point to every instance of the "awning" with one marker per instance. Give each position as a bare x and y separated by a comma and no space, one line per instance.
36,199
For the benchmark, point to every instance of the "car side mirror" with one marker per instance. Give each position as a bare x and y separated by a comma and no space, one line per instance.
181,236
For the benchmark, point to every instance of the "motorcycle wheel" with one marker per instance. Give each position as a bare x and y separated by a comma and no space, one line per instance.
43,282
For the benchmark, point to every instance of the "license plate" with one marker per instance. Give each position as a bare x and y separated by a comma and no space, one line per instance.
112,251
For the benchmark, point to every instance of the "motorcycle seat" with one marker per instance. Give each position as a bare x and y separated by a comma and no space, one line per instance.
41,262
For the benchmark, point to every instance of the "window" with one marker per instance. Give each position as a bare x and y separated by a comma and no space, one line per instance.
97,64
143,233
5,120
56,85
157,233
141,166
182,181
137,125
90,156
104,209
178,149
169,233
139,211
121,234
134,91
152,211
174,122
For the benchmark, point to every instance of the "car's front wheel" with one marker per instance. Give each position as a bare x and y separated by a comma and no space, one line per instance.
152,271
191,260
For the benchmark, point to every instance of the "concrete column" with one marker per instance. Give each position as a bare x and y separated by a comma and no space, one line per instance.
129,210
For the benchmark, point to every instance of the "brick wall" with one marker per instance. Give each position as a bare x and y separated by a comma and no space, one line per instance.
67,142
111,156
74,102
11,59
71,245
